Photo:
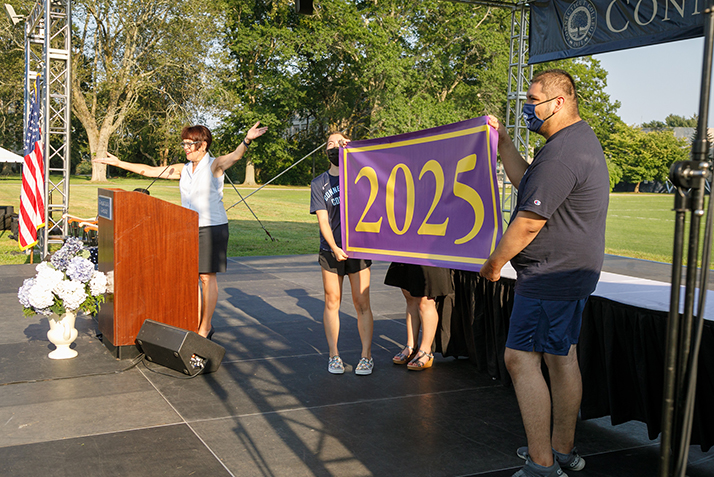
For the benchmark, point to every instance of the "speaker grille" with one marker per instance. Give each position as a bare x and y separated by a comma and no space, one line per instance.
181,350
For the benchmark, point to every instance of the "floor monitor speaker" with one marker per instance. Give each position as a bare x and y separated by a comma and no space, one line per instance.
181,350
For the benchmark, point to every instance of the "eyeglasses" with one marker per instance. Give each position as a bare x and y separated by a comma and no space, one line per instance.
185,144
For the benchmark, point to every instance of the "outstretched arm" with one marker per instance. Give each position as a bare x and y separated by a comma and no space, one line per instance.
173,171
222,163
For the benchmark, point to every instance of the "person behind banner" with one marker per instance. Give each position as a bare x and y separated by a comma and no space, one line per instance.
201,187
556,242
325,203
421,286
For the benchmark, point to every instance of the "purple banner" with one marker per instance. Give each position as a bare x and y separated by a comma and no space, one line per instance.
428,197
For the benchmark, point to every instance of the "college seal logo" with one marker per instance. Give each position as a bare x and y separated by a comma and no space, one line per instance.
579,23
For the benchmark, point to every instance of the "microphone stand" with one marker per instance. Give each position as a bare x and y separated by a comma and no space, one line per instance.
251,210
683,332
271,180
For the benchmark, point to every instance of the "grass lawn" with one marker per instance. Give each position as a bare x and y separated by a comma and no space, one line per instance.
638,225
283,211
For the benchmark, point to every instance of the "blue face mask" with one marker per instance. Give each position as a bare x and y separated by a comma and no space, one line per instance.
533,122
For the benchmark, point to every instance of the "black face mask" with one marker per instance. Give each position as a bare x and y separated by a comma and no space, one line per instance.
334,155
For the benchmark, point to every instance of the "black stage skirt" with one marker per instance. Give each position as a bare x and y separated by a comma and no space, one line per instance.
420,280
212,248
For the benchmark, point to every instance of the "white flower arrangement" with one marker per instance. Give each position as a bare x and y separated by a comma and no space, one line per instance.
68,282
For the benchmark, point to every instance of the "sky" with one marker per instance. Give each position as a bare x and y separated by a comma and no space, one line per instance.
652,82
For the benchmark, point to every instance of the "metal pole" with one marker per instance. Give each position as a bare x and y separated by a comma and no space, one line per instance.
681,361
519,75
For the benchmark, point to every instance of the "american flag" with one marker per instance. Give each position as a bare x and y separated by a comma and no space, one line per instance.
32,196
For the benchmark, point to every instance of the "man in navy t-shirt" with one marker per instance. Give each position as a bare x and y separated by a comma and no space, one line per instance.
556,242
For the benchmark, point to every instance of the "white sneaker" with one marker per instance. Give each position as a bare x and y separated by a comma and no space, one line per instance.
364,367
335,365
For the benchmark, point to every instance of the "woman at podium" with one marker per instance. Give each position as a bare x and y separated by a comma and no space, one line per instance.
201,186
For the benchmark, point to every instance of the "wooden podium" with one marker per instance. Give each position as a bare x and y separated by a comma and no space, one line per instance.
149,250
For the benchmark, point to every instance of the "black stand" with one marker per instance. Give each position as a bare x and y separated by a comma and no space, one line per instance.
683,339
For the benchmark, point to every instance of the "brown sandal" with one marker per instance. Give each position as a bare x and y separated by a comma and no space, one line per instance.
404,356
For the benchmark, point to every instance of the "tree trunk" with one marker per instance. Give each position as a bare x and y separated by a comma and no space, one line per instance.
6,169
164,157
98,148
249,173
637,188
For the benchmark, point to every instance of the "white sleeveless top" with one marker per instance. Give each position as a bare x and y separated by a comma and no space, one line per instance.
202,192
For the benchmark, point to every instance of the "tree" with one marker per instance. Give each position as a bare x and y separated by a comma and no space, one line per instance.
614,171
644,156
580,20
130,54
673,121
12,73
259,35
676,121
654,124
460,67
368,68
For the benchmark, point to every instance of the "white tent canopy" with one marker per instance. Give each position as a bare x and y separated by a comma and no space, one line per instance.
7,156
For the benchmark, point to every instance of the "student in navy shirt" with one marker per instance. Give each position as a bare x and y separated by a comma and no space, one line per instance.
325,203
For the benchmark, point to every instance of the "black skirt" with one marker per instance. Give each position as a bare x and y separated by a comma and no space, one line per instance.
420,280
212,248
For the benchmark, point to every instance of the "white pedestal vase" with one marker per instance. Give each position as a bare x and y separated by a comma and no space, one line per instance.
62,334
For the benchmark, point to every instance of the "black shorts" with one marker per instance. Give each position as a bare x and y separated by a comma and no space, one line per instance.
328,261
212,248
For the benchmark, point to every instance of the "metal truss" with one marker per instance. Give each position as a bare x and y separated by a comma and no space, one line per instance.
491,3
48,31
519,76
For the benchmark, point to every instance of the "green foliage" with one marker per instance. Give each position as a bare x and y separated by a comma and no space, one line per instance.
83,168
615,173
138,73
654,124
369,69
12,73
143,69
644,156
673,121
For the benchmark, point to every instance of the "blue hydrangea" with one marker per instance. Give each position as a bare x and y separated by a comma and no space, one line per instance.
64,283
23,294
60,259
80,269
73,245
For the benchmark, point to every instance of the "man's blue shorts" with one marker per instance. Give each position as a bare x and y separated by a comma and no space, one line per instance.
545,326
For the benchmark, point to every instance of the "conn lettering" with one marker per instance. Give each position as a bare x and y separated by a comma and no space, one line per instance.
615,25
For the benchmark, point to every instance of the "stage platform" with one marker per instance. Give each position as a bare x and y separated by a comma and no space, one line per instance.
272,409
